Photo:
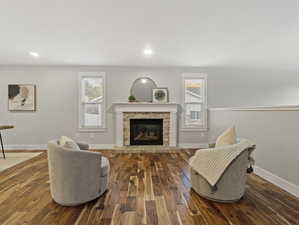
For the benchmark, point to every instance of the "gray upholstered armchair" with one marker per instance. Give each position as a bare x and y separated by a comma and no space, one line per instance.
76,176
220,174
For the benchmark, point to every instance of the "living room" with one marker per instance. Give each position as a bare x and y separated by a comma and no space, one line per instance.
149,113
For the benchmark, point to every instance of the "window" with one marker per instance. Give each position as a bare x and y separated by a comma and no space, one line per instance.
92,101
195,115
195,101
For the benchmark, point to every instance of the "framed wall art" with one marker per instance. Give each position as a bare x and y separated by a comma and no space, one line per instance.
21,97
160,95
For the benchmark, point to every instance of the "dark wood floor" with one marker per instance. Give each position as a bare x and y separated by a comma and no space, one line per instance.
144,189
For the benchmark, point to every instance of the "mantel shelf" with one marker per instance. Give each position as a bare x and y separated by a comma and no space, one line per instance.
144,107
142,103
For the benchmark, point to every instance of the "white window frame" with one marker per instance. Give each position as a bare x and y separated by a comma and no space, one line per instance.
204,103
101,128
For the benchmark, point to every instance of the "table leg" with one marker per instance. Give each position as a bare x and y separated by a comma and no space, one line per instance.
2,145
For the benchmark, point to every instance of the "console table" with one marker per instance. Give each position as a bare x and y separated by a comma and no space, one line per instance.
1,141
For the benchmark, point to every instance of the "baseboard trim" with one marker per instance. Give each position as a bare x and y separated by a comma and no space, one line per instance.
278,181
25,147
95,146
193,145
101,146
44,147
183,145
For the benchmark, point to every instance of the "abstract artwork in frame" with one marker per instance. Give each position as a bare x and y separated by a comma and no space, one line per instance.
21,97
160,95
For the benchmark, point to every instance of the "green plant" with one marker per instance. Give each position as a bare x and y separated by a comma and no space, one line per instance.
131,98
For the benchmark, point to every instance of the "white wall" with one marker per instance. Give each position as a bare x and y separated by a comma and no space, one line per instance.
57,96
274,132
57,101
57,107
252,87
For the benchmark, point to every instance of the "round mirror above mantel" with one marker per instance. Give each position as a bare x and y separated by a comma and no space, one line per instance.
142,89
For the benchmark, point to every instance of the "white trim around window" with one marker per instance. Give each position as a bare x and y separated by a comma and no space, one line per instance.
196,103
97,118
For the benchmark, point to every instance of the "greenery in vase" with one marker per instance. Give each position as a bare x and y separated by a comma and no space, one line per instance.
131,98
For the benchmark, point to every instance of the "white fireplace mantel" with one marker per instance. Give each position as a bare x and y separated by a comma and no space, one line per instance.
120,108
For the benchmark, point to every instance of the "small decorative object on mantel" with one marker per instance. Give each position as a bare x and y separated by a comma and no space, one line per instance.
132,98
21,97
142,89
160,95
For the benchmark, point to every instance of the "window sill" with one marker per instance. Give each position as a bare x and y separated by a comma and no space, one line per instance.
92,130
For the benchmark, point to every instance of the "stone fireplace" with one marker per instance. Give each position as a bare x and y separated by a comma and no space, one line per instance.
149,120
145,124
146,132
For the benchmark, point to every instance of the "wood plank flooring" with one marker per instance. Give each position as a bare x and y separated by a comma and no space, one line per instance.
145,189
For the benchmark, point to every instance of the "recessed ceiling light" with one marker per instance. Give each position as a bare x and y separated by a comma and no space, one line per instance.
34,54
148,52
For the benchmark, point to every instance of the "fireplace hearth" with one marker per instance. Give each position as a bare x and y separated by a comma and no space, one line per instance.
146,131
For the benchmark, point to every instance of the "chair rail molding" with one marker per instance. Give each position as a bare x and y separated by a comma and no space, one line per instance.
257,108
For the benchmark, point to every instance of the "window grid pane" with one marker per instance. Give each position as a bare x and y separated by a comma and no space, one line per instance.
92,90
92,115
193,115
193,90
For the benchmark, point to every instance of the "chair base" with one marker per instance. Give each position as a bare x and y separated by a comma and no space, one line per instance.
80,203
218,200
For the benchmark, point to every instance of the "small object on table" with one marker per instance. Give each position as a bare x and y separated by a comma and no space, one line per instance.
1,141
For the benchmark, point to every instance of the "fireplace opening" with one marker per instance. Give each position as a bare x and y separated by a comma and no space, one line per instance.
146,131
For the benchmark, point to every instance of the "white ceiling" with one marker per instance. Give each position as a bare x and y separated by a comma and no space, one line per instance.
251,33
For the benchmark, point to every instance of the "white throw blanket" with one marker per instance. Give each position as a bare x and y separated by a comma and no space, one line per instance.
212,163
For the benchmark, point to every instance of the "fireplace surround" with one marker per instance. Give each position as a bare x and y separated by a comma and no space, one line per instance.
125,112
131,116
